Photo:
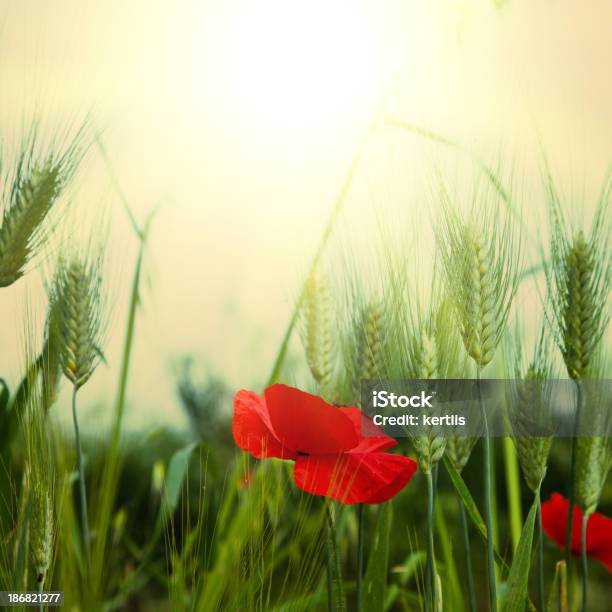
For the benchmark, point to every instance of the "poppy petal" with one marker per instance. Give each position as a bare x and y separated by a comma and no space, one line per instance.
371,437
554,521
252,429
370,478
599,539
307,423
599,529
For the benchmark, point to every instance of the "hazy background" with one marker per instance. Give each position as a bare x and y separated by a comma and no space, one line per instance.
241,118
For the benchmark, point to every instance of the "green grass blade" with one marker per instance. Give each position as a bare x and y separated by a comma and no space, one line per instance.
449,569
515,593
108,486
470,504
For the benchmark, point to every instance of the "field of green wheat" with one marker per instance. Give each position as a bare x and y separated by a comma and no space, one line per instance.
282,497
227,229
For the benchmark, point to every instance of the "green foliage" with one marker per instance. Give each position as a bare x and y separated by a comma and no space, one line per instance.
375,580
515,593
225,533
470,504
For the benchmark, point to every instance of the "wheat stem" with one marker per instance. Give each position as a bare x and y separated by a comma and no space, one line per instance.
487,495
541,593
430,580
360,538
468,555
572,484
81,468
583,554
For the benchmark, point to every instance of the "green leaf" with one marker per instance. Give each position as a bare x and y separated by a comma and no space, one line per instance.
375,579
470,505
515,593
175,476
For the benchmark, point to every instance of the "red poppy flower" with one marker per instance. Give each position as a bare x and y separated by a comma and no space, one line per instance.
598,535
338,452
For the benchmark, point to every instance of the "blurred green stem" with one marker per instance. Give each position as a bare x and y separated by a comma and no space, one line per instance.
541,593
572,478
108,487
513,489
360,530
468,555
335,592
429,579
583,554
488,503
81,467
330,575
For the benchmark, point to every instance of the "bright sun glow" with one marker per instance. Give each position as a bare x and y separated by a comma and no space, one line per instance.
304,63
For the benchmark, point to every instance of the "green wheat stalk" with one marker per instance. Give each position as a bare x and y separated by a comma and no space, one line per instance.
530,413
578,278
366,340
592,456
480,257
75,318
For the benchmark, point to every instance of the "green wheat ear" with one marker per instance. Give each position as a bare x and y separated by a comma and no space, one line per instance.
454,365
429,448
41,530
317,331
592,467
371,339
578,278
433,353
529,411
593,453
75,313
363,340
51,366
21,231
479,257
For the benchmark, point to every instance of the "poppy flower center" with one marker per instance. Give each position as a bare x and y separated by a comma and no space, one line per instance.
302,454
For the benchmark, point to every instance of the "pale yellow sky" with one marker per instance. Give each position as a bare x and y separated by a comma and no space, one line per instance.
243,116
